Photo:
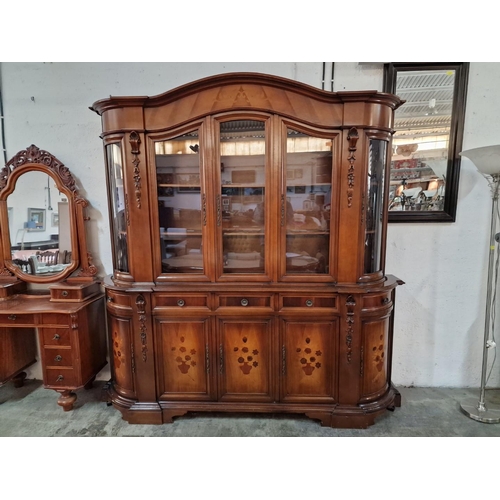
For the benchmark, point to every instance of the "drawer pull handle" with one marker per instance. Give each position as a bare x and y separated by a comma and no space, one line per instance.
244,302
109,299
59,378
180,303
56,337
58,358
386,300
12,317
64,293
309,303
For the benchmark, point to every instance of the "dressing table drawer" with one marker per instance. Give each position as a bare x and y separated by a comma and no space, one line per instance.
57,357
68,292
55,319
55,336
17,319
60,377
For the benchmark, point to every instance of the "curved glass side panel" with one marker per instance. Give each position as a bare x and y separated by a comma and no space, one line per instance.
117,207
180,204
241,208
375,205
309,163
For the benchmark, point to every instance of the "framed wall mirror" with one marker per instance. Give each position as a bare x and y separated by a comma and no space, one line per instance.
33,248
425,163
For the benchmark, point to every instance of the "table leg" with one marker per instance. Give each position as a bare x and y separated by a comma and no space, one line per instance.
66,399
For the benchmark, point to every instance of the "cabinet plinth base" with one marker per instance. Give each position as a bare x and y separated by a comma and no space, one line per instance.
329,415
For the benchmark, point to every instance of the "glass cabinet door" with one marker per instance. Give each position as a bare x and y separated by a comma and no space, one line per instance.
117,207
241,207
306,208
180,204
375,205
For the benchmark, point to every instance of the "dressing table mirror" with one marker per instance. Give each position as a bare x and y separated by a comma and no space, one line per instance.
48,284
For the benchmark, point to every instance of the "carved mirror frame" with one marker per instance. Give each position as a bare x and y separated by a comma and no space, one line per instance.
455,135
35,159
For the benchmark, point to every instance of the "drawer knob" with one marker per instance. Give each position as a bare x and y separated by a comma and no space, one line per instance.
64,293
58,358
12,317
244,302
109,299
59,378
180,303
56,337
309,303
385,300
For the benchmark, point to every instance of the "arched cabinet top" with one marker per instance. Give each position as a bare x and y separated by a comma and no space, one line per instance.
247,91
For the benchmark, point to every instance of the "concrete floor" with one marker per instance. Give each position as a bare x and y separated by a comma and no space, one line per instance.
32,411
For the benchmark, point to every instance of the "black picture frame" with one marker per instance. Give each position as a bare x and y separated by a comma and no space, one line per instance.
448,214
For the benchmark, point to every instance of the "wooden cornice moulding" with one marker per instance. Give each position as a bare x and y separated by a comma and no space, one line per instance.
258,79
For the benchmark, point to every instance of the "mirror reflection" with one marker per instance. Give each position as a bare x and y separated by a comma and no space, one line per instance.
39,223
422,140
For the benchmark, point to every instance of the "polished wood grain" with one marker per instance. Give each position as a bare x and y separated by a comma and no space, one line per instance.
276,338
66,309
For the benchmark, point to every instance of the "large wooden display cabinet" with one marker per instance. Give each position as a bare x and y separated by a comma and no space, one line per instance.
248,217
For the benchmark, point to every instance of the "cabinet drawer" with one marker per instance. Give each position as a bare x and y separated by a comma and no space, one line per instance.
62,292
376,300
55,336
55,319
17,319
245,301
180,300
60,377
58,357
309,301
120,299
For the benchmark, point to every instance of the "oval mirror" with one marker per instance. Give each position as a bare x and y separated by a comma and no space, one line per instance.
40,226
42,221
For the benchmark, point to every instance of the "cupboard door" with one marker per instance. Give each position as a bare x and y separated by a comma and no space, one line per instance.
306,205
181,204
309,360
120,339
245,363
241,208
183,359
17,351
375,358
117,207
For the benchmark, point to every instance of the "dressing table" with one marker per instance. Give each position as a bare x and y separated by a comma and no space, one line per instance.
61,302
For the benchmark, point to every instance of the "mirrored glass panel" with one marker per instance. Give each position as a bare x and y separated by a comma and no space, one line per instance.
375,205
39,222
117,207
180,204
307,206
429,128
241,207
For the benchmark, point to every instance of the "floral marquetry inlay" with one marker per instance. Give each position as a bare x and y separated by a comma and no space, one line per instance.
185,357
246,357
309,357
